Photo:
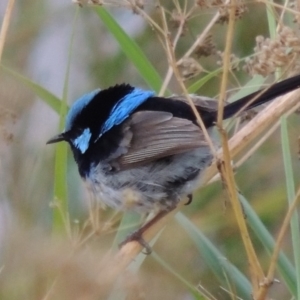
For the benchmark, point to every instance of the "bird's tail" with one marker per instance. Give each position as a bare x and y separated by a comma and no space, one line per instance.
259,97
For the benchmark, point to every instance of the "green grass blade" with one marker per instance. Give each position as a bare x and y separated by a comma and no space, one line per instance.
199,83
47,97
60,167
60,215
271,16
290,185
216,260
285,267
194,291
131,49
60,211
253,85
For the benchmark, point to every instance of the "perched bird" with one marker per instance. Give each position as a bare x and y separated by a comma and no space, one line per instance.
141,152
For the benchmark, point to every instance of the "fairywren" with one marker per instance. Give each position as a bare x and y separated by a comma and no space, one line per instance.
142,152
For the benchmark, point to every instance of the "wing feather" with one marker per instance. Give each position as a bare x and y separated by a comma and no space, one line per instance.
158,134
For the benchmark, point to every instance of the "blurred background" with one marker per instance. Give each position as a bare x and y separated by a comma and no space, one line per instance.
36,265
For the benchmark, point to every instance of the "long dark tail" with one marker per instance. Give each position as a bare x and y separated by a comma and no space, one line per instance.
258,98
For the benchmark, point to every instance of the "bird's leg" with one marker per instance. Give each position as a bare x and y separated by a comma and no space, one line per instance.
137,235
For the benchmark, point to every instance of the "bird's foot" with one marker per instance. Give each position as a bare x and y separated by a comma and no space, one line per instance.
137,236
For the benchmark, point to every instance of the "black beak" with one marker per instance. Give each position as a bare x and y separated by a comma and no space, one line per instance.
58,138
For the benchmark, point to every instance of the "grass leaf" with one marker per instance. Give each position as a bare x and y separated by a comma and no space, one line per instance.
290,185
216,260
46,96
131,49
285,267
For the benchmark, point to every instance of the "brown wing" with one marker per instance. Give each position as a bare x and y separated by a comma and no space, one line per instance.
159,134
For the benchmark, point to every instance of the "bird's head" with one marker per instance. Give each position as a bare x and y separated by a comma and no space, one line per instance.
97,112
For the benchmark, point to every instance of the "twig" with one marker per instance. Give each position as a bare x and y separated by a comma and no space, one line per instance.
270,276
5,24
172,61
201,37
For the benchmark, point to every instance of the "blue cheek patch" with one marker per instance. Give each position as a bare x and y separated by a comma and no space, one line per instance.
82,142
124,108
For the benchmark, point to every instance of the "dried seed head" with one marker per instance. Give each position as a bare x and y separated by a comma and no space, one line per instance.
295,6
206,48
136,5
271,54
234,60
189,68
179,19
203,3
224,10
82,3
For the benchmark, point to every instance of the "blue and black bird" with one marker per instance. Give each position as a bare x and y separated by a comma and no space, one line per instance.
142,152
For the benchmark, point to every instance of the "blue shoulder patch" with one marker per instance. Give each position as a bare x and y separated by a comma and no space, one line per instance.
78,106
124,107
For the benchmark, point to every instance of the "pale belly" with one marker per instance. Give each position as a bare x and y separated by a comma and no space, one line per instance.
152,187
